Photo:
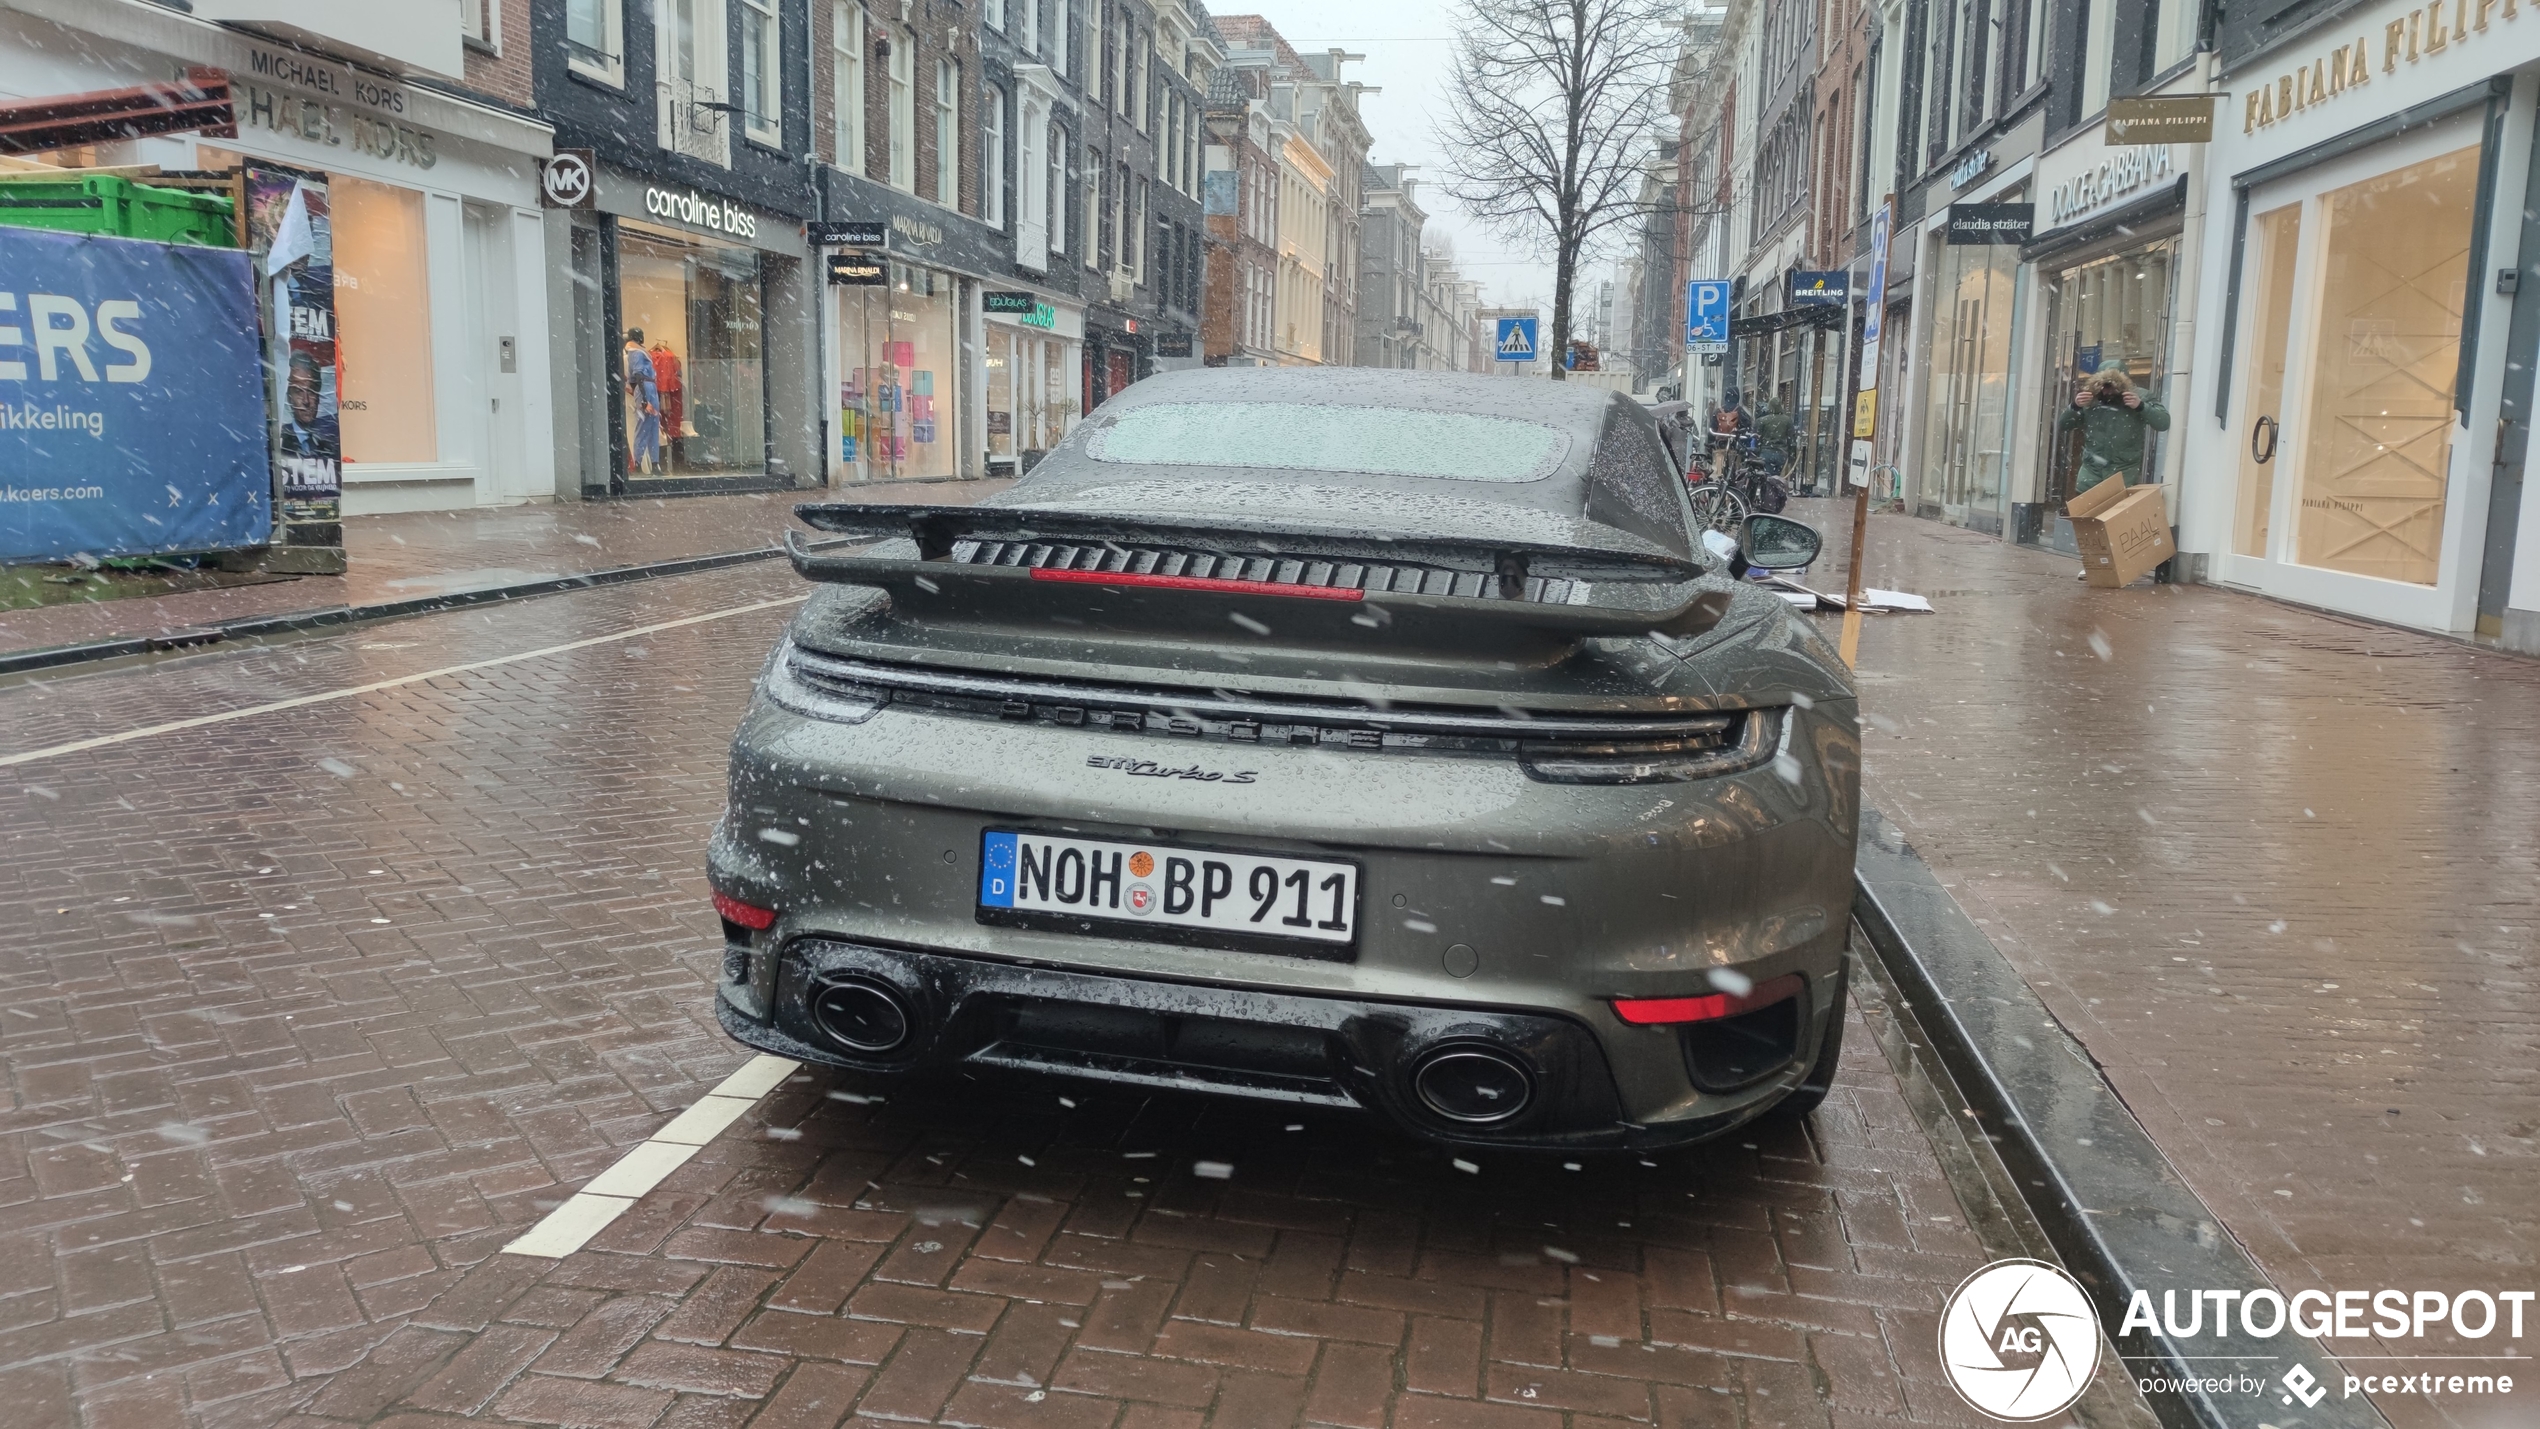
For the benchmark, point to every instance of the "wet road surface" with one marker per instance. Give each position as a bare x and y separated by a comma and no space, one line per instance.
308,1007
2279,871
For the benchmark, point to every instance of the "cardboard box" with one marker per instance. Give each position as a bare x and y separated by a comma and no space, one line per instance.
2123,531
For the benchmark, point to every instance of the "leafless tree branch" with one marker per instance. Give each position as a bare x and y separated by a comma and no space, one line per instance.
1549,118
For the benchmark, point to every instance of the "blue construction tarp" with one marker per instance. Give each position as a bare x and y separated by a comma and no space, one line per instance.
132,407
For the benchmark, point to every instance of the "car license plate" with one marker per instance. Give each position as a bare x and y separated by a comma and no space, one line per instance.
1165,891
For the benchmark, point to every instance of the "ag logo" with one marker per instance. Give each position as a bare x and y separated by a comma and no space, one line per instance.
2019,1340
566,181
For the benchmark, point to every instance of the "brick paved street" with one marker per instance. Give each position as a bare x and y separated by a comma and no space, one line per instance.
2279,871
304,1016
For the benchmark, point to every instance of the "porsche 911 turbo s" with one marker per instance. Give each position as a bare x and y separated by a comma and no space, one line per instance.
1352,738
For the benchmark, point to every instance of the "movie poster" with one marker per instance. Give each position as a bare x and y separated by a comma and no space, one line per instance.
288,224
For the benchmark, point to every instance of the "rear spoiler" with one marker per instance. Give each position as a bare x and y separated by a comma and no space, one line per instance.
936,528
1657,592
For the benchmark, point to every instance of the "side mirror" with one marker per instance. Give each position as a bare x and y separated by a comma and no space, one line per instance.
1777,543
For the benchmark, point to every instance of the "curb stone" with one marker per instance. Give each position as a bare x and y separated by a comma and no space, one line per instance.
2118,1213
55,657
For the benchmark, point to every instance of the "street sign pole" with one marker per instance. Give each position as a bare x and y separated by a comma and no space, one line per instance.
1880,223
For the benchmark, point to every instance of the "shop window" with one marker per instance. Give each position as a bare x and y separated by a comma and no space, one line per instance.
383,324
2106,317
594,43
903,111
698,311
1001,362
1966,427
2376,454
846,83
948,134
898,400
762,68
992,158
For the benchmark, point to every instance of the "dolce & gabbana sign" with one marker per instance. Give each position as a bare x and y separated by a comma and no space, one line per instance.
700,211
2112,178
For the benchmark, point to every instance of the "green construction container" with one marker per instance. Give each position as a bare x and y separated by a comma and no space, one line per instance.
101,203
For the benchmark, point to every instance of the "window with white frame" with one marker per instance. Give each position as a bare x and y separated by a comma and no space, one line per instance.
595,39
1054,190
481,24
691,71
992,158
903,111
948,133
1090,234
762,72
994,13
846,83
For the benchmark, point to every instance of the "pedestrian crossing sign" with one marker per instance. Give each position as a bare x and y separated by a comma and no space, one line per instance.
1517,339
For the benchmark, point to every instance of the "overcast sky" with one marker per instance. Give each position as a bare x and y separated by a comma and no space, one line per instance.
1406,43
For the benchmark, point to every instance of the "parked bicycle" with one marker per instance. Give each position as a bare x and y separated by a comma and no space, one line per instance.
1737,484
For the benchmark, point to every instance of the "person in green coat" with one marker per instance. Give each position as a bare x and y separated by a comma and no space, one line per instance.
2113,417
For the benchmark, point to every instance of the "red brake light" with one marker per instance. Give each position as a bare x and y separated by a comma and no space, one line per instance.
1300,592
734,910
1659,1011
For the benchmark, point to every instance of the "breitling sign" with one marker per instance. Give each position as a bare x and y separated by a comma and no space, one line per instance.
2428,32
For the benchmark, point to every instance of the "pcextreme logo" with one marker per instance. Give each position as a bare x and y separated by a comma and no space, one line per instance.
2019,1340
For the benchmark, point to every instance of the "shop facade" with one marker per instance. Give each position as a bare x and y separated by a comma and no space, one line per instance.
1034,366
690,378
2361,441
2111,267
1973,293
904,343
439,280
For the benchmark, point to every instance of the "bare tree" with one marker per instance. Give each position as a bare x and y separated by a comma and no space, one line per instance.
1549,120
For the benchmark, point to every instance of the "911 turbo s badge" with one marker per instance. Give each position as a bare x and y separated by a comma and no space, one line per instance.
1148,768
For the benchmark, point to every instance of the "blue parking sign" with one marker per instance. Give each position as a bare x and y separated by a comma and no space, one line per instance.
1517,339
1707,313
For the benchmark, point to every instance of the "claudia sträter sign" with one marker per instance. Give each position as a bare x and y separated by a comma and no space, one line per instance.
132,409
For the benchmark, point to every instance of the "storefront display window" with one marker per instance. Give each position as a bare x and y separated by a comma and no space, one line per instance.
1031,386
2107,316
899,400
694,312
1969,376
2377,450
383,314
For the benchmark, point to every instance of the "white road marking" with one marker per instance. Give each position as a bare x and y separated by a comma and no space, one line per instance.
570,1226
197,722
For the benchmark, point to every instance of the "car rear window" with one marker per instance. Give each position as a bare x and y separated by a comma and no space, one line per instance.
1304,436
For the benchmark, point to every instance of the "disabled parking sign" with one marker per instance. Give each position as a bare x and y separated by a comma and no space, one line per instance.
1517,339
1707,315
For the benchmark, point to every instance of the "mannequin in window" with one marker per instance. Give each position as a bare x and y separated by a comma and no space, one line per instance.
643,446
669,381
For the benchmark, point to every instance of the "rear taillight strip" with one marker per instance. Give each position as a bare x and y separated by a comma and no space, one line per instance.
1196,583
1666,1011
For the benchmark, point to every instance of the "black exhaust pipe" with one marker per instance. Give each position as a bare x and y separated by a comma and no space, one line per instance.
1473,1085
863,1017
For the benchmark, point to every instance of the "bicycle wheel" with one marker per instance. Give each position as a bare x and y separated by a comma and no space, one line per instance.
1717,508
